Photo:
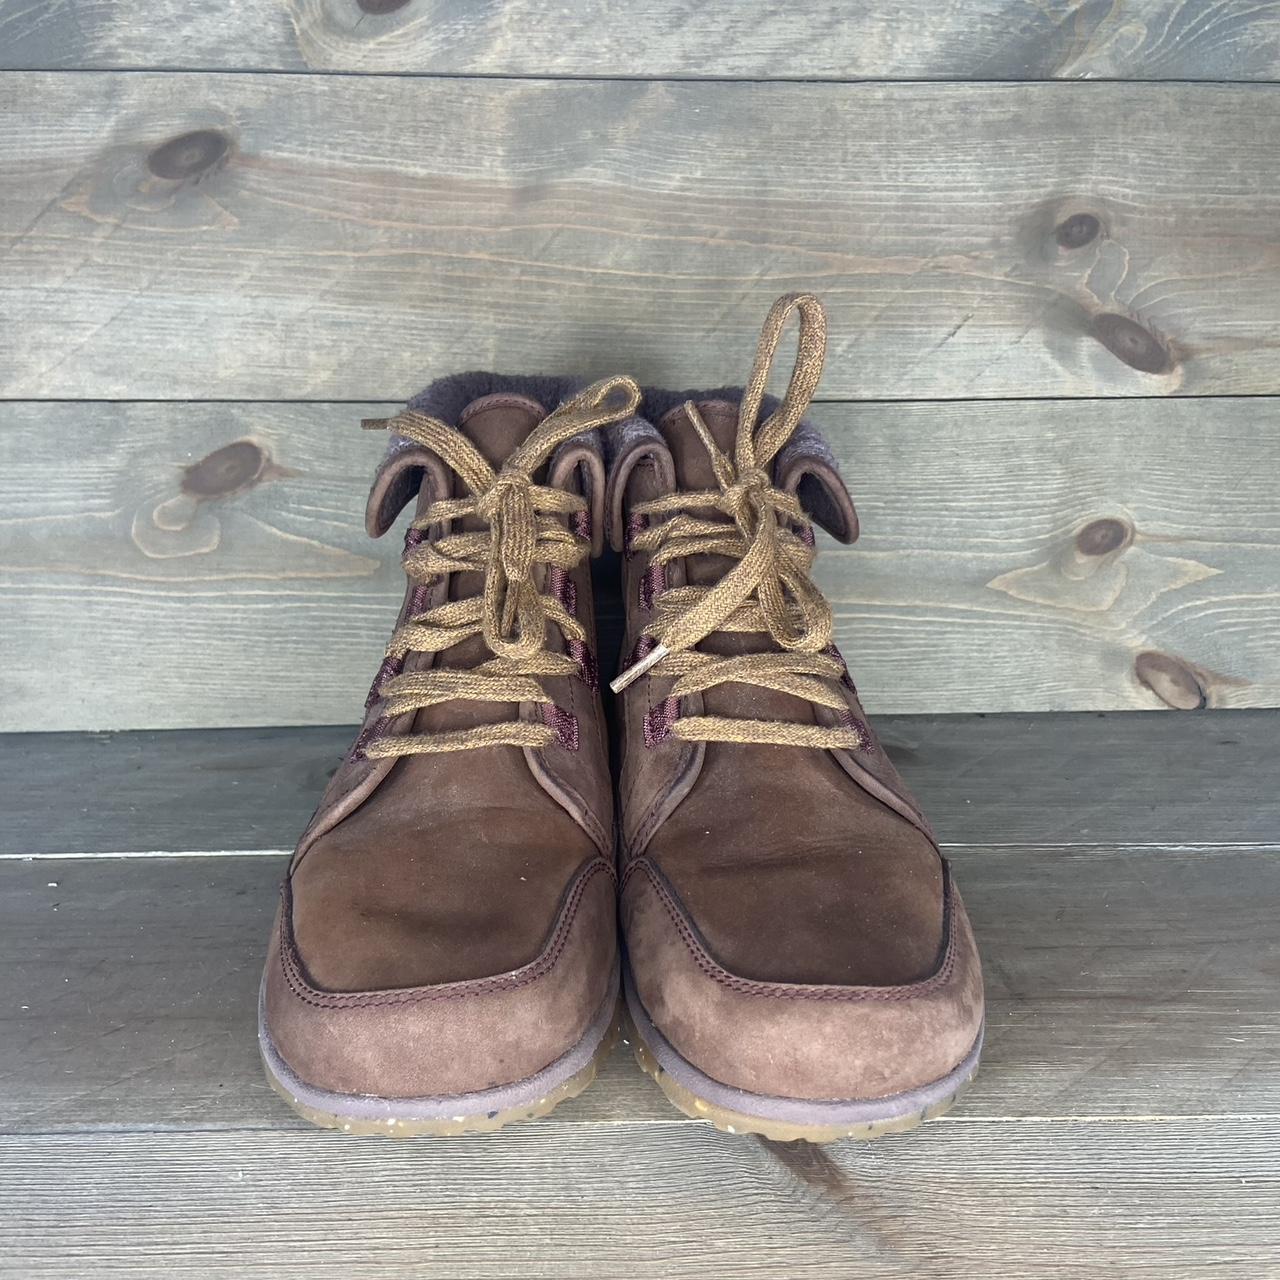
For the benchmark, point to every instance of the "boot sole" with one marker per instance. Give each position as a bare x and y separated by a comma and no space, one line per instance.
785,1119
447,1114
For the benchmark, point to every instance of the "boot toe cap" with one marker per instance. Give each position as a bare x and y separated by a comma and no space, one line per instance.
452,1038
810,1041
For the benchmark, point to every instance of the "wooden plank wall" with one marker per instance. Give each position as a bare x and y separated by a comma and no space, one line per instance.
1048,236
751,39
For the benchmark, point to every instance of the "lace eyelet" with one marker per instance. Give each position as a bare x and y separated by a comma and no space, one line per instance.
367,735
635,526
860,727
652,584
564,723
588,668
659,720
845,678
563,589
390,668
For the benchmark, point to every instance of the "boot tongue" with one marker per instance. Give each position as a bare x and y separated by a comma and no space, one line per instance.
496,425
693,466
804,466
694,471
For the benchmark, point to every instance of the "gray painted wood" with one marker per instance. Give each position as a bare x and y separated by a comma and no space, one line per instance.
915,39
1196,1200
1204,780
194,236
1014,556
1061,555
1121,984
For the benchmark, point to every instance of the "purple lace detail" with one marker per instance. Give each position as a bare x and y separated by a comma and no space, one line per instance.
588,668
580,524
367,735
418,597
565,724
845,678
392,667
564,589
659,720
654,581
860,727
643,648
652,585
847,719
635,525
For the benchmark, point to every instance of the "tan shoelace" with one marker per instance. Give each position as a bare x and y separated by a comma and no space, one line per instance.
769,589
524,528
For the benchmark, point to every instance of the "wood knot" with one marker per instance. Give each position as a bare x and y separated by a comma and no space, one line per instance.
1127,340
234,467
380,6
189,154
1077,231
1101,537
1171,680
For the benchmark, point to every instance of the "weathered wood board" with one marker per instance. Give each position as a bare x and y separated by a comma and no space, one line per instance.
1196,1199
1028,780
750,39
198,236
172,565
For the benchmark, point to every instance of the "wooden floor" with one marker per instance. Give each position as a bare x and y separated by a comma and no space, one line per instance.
1123,874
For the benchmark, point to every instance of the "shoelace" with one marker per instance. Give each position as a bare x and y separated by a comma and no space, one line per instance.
769,590
524,528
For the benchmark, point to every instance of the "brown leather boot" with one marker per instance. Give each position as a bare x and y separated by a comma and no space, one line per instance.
798,961
445,958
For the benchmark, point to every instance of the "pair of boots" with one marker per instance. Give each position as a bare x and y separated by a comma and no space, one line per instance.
795,960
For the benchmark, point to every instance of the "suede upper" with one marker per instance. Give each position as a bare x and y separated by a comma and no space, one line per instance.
788,921
447,924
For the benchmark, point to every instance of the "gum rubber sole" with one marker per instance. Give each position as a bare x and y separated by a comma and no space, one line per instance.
480,1112
687,1089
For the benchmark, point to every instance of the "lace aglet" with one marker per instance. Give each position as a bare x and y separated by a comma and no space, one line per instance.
637,669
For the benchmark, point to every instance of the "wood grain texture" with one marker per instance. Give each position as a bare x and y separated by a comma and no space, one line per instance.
182,608
912,39
1205,780
1016,556
1060,555
193,236
1197,1200
1121,984
1124,1123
